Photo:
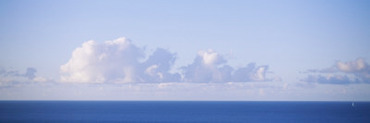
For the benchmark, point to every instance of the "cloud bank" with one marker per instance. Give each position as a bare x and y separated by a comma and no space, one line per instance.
8,77
357,71
120,61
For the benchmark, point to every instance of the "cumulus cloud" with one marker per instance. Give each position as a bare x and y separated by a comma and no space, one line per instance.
357,71
117,61
251,73
97,63
210,66
120,61
158,65
205,68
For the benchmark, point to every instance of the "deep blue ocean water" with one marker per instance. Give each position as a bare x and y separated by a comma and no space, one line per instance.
183,111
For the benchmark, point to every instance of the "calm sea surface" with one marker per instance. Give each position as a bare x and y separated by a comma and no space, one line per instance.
183,111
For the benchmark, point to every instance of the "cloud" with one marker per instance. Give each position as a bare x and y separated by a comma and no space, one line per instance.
251,73
9,77
117,61
330,79
210,66
98,63
120,61
205,68
158,65
357,71
30,73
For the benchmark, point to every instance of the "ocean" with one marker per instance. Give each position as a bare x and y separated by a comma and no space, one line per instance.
183,111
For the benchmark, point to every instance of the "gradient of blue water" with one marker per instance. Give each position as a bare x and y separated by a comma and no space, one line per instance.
182,111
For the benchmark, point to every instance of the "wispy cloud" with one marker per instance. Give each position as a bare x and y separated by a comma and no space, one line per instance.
357,71
121,61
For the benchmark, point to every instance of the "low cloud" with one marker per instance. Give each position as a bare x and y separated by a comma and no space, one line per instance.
117,61
357,71
120,61
210,66
97,63
29,74
8,77
158,65
206,67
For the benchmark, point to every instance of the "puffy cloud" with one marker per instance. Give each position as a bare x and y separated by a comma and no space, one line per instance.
158,65
117,61
359,65
210,66
251,73
210,57
120,61
97,63
205,68
357,71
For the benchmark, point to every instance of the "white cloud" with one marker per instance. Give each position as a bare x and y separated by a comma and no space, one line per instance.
353,66
357,71
115,61
98,63
260,73
205,68
210,66
158,65
120,61
210,57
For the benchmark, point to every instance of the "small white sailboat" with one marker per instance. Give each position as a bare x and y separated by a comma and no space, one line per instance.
353,104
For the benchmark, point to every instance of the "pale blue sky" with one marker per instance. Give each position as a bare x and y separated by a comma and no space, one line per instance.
288,36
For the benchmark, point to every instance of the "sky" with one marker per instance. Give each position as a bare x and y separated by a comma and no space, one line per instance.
269,50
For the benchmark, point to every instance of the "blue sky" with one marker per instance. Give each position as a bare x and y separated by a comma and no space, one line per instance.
185,50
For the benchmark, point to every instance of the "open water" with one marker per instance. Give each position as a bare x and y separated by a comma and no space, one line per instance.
183,111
